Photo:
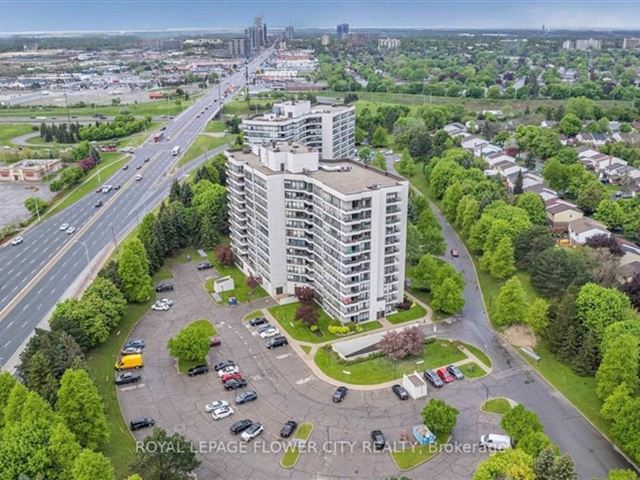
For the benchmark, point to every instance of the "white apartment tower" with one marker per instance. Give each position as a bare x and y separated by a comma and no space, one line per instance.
331,129
338,226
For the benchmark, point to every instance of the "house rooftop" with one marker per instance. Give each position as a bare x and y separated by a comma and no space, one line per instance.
585,224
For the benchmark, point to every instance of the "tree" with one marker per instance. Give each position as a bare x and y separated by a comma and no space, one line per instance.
307,314
590,196
519,421
511,304
536,316
502,262
534,206
632,290
626,427
452,196
535,442
174,462
448,296
570,125
517,185
564,468
92,466
406,166
439,417
152,244
191,343
304,294
597,307
543,464
610,213
80,405
35,205
424,273
620,474
531,243
379,161
379,137
133,269
588,358
430,232
224,255
513,464
619,366
555,269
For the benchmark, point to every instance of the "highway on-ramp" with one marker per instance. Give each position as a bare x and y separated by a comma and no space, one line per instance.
35,274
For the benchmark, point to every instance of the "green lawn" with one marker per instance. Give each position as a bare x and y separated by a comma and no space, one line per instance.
483,357
215,126
291,456
472,370
8,131
153,108
414,313
497,405
39,142
163,274
108,167
426,298
370,325
241,290
284,314
380,369
305,348
185,365
241,107
203,144
415,455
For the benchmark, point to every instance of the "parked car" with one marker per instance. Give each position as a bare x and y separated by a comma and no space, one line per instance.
228,370
288,428
159,306
221,365
400,392
455,253
235,384
210,407
444,375
204,266
264,328
137,343
222,412
431,377
277,342
339,394
166,301
231,376
254,322
215,341
131,350
246,397
496,442
271,332
378,439
127,377
240,426
139,423
17,241
198,370
164,287
455,372
252,432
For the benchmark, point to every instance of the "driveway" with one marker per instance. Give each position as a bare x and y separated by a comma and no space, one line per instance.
287,389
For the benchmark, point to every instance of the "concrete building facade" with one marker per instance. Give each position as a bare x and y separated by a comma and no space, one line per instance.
29,170
337,226
331,129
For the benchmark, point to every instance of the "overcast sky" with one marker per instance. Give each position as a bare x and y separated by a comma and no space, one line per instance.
90,15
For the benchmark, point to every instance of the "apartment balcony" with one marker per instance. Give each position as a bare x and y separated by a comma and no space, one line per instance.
392,209
391,240
391,200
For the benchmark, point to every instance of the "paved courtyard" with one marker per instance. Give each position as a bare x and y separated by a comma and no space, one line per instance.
287,389
12,197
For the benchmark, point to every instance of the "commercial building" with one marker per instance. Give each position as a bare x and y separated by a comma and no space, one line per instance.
29,170
342,30
337,226
331,129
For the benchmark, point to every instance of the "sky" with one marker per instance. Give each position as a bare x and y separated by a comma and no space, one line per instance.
123,15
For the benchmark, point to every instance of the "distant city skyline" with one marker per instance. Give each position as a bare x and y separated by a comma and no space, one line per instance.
153,15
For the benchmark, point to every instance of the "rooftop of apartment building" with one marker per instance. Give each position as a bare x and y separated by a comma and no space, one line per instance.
303,107
345,176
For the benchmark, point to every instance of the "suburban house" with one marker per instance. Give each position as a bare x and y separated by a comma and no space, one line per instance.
497,157
560,213
455,129
628,267
548,123
584,228
595,139
471,142
29,170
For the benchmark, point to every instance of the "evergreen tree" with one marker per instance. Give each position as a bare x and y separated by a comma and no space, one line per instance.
209,237
543,464
517,186
588,358
186,195
133,268
564,468
175,192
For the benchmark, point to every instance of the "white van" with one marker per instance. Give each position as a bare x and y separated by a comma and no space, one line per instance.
176,150
496,442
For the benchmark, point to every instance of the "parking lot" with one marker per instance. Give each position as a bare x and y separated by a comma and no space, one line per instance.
287,390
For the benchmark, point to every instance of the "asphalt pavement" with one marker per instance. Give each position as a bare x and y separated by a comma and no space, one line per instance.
35,274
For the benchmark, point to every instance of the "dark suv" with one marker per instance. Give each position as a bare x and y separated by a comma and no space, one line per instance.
164,287
378,439
138,423
240,426
254,322
198,370
431,377
275,342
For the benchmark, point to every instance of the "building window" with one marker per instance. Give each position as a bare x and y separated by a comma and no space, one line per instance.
279,290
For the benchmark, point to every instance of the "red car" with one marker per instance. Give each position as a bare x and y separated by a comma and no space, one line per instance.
444,375
231,376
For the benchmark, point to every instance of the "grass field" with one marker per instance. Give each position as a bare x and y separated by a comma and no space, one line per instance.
291,456
426,298
241,291
185,365
215,126
284,314
156,108
108,167
415,455
380,369
8,131
202,144
483,357
241,107
497,405
472,370
414,313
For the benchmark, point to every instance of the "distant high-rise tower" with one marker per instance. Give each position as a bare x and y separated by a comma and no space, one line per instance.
324,39
288,33
342,30
256,35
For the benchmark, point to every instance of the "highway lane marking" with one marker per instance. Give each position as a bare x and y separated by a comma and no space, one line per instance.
32,261
39,307
3,298
39,291
26,306
7,344
10,271
10,323
65,276
3,286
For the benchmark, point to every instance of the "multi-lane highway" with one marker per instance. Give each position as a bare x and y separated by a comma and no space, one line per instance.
35,274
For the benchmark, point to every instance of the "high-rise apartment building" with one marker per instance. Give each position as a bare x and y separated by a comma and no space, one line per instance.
324,40
289,33
631,42
256,35
331,129
337,226
588,44
238,47
342,30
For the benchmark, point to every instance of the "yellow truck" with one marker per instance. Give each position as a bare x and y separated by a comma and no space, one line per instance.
129,361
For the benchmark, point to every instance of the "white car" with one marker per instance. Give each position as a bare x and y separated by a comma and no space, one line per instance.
252,432
272,332
70,230
216,404
166,301
64,226
228,370
138,177
17,241
161,307
222,412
